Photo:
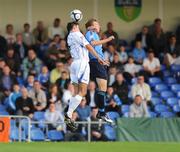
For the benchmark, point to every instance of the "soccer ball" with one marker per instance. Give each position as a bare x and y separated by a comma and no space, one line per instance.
76,15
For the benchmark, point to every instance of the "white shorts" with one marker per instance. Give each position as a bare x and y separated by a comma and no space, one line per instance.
80,72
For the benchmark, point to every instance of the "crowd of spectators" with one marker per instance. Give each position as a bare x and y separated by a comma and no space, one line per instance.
34,72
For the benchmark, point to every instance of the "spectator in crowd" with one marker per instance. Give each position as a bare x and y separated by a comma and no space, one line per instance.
141,88
63,53
55,118
24,104
108,55
13,61
151,66
131,69
172,51
3,46
27,36
31,64
83,110
56,72
113,102
12,99
38,96
40,33
155,25
158,41
123,57
112,74
30,82
91,96
121,88
138,53
20,47
96,129
145,38
55,42
116,63
63,81
43,77
178,35
56,29
67,94
7,81
2,64
110,32
138,108
9,36
77,135
54,96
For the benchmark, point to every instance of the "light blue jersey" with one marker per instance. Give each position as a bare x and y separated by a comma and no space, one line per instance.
93,36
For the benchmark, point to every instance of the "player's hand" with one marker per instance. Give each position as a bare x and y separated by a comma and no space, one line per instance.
103,62
111,37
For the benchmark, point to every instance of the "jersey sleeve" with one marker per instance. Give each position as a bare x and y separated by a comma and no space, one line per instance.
89,36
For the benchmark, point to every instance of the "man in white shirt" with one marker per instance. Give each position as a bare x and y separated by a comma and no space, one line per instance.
56,29
152,65
80,71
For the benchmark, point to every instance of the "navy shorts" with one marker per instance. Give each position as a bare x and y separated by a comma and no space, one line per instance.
97,71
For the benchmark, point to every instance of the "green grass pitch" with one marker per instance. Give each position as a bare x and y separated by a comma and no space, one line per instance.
90,147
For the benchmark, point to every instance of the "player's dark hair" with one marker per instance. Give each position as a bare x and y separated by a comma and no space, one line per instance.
90,22
70,26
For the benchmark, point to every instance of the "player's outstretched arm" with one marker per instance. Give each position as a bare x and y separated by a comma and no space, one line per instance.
93,52
102,41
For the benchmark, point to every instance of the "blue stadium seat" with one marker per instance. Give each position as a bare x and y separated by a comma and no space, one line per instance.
126,115
154,81
124,108
161,108
176,108
14,134
175,68
154,94
133,80
55,135
167,114
167,94
113,115
161,87
163,67
110,133
170,80
38,115
172,101
167,73
178,94
37,135
175,87
2,107
152,114
156,100
4,113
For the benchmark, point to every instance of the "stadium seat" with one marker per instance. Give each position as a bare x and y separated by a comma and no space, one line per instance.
133,80
55,135
2,107
167,73
38,115
161,87
167,114
175,87
176,108
156,100
124,108
154,81
37,135
175,68
154,94
4,113
126,115
163,67
153,114
170,80
14,134
113,115
161,108
178,94
172,101
167,94
110,133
